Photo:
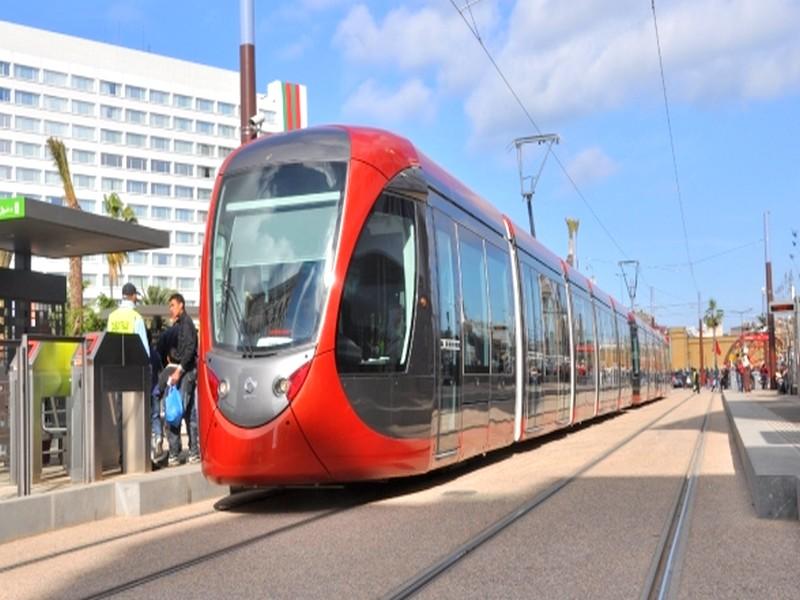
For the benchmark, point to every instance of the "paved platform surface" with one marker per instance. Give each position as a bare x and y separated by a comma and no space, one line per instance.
765,427
125,495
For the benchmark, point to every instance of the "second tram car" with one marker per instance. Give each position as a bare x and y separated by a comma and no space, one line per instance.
366,316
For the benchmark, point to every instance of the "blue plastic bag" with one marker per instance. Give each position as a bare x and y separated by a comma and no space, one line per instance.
173,406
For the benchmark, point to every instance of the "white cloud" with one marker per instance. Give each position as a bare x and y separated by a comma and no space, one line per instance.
382,106
569,59
591,165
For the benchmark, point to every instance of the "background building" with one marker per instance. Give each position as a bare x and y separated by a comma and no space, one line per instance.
152,129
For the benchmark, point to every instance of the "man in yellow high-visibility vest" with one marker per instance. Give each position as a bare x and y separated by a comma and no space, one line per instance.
125,319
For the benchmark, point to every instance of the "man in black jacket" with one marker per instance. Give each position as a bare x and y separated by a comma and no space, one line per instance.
185,376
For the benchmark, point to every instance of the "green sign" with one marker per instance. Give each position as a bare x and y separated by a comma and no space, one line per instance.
12,208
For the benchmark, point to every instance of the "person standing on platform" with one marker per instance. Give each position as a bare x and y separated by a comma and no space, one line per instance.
184,376
126,319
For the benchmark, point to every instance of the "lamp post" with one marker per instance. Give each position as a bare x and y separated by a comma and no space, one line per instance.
741,314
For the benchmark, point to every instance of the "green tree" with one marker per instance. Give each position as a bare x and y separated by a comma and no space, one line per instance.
713,319
116,209
75,288
157,296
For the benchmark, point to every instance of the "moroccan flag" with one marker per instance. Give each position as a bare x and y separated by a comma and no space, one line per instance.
717,349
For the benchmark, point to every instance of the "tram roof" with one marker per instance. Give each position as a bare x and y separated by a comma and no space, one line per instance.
41,229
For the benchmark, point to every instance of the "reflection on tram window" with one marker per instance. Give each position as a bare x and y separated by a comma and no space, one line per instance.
377,310
476,303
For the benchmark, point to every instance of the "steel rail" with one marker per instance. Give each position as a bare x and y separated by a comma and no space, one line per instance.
427,575
671,545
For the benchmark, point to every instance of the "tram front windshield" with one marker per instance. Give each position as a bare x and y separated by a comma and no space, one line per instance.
274,239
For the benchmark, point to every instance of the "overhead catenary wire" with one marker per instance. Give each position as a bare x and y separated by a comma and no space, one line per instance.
672,148
476,34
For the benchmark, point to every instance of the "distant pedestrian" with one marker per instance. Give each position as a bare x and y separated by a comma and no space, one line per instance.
696,381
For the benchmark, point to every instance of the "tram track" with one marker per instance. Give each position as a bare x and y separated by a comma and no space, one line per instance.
668,544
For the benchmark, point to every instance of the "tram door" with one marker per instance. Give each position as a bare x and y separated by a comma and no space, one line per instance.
449,328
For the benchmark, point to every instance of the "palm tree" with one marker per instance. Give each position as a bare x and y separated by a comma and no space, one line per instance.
157,296
713,319
59,153
116,209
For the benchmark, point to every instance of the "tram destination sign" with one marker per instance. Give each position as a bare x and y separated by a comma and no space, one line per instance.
12,208
779,306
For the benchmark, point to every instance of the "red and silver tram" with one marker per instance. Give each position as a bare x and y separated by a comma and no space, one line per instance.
365,315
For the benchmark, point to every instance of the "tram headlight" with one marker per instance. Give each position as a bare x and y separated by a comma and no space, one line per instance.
223,388
290,386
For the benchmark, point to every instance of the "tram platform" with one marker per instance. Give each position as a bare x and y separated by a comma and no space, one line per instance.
765,428
123,495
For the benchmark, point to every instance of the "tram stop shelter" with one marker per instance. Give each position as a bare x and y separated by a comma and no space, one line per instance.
34,228
40,395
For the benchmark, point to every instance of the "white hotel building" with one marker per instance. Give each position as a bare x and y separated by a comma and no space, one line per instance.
152,129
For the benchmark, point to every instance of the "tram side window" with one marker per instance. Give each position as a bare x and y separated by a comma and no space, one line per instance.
476,303
377,309
502,310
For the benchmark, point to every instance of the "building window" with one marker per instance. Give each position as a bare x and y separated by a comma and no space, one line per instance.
85,109
55,78
25,72
26,98
111,160
5,146
83,157
84,84
111,184
28,175
136,187
162,260
159,97
140,210
181,191
226,108
135,116
52,178
5,121
5,95
205,172
203,194
205,150
159,143
56,129
223,151
205,105
161,189
181,101
162,282
27,150
109,88
184,169
136,163
183,214
56,103
135,93
85,182
185,284
184,147
138,280
110,136
204,127
161,213
137,258
182,124
27,124
227,131
184,260
79,132
159,120
182,237
112,113
87,205
5,172
4,68
136,140
160,166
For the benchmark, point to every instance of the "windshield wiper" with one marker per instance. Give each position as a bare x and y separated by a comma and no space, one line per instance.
229,292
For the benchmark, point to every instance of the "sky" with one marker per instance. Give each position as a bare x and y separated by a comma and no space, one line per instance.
587,70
